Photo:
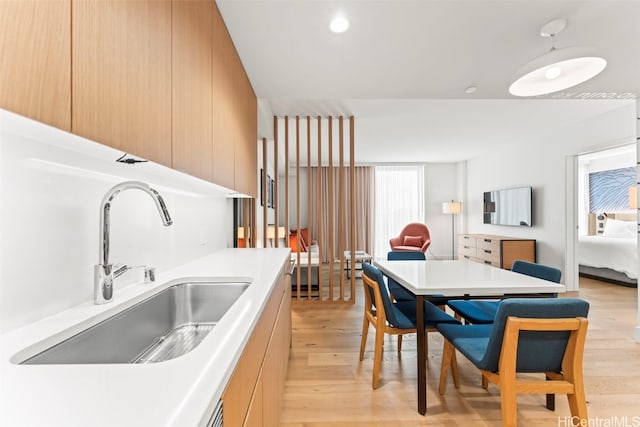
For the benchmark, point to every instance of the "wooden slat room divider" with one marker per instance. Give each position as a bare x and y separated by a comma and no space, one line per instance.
321,279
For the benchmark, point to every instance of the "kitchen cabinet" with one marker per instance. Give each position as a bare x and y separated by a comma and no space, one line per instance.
35,64
246,138
159,79
224,119
274,368
121,76
192,87
254,393
235,117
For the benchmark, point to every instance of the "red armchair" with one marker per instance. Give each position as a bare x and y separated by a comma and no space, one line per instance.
413,237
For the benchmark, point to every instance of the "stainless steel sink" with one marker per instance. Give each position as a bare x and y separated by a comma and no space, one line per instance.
162,327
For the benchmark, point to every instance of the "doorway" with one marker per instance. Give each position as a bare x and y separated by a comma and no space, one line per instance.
604,226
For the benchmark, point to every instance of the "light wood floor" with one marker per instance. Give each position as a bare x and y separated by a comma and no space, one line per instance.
328,386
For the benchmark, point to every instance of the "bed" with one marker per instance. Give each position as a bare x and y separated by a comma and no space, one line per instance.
612,255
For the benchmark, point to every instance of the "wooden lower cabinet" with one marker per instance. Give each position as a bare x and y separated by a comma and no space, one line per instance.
256,407
254,393
499,251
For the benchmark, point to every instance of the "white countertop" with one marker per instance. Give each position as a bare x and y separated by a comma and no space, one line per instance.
176,392
458,278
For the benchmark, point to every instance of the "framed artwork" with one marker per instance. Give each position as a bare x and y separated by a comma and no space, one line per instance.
272,193
269,193
262,195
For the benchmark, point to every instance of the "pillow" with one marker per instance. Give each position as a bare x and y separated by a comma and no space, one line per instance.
304,232
619,229
413,241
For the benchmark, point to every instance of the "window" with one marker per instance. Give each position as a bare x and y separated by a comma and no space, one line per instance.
399,200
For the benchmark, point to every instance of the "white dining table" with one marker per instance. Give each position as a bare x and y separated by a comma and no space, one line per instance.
457,280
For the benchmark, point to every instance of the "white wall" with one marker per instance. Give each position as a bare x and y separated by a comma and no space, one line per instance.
542,163
51,187
441,185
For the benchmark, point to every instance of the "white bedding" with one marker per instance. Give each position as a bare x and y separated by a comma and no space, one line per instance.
609,252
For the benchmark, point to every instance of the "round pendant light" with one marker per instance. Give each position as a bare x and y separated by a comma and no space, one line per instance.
557,69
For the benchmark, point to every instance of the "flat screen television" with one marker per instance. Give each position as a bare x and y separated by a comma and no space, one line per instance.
511,206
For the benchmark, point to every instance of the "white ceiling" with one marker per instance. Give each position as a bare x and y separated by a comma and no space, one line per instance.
402,67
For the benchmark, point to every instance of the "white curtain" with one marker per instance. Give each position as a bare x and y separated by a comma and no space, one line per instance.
399,200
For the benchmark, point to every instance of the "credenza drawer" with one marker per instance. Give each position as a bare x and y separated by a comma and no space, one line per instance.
488,244
493,256
465,240
466,250
488,262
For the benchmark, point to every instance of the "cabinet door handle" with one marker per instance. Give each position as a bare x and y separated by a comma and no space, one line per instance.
488,262
466,247
487,251
466,256
487,240
466,237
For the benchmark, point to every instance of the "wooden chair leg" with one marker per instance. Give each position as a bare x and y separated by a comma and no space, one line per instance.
399,343
578,402
551,397
485,382
454,369
508,390
508,401
551,402
448,353
363,340
377,357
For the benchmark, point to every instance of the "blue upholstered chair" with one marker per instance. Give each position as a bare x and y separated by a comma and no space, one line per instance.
529,335
398,292
396,318
483,312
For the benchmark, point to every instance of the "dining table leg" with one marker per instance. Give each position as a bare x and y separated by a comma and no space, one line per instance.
422,356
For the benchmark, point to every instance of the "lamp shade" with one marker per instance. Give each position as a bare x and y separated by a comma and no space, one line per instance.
556,70
271,232
633,197
451,207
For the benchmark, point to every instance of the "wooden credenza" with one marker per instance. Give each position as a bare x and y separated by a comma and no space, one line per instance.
499,251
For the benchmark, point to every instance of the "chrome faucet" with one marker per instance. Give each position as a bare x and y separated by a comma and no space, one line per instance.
104,272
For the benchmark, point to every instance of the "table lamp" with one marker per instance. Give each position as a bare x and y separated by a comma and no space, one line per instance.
271,233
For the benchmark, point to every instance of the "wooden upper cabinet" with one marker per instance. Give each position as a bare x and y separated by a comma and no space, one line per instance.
224,118
246,141
121,80
35,60
192,88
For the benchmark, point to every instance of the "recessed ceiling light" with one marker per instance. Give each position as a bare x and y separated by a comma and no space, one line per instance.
339,24
471,89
